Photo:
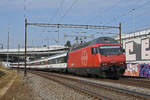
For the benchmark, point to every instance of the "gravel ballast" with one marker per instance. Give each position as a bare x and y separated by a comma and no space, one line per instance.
49,90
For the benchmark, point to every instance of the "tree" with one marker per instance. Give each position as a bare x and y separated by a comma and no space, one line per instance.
68,43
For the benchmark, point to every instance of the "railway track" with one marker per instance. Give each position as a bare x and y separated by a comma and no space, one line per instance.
145,83
136,78
74,87
92,89
137,82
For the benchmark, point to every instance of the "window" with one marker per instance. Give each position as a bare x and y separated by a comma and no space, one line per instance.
42,63
52,61
94,50
110,50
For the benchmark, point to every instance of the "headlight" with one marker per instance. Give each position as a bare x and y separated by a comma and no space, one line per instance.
103,64
122,63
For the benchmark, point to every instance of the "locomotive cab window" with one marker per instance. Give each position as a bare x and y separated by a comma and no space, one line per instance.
110,50
94,50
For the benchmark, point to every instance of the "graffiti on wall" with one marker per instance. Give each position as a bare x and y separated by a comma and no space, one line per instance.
141,70
132,70
144,70
138,52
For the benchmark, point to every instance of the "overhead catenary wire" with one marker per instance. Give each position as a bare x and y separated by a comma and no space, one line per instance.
67,11
124,14
98,15
25,8
57,10
129,11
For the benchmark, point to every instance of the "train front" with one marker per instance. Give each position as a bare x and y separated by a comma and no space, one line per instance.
112,60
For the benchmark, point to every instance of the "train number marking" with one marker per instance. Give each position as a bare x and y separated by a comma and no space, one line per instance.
84,57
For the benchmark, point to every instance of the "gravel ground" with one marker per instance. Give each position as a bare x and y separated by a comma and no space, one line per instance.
49,90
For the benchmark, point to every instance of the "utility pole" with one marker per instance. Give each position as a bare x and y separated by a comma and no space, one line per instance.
120,33
18,55
58,34
25,51
8,44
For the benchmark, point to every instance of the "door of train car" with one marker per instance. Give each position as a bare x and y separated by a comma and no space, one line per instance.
94,57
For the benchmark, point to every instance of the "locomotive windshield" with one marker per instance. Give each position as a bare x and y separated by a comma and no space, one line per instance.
110,50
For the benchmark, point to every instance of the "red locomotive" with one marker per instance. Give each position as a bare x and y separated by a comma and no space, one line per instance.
102,57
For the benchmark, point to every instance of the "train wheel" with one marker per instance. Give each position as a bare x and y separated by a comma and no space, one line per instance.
102,75
90,75
116,77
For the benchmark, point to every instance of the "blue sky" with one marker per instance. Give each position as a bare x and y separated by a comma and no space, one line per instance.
133,14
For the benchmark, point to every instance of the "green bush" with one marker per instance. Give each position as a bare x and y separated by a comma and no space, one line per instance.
2,73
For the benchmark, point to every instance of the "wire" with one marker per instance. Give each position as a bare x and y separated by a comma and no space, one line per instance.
67,11
116,18
58,9
25,8
130,11
113,6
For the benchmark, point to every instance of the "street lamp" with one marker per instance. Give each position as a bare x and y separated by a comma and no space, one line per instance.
1,45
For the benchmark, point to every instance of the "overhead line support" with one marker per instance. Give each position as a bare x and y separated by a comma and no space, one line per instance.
71,26
120,33
25,51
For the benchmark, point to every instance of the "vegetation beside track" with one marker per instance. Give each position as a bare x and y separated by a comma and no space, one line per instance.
1,73
19,90
13,86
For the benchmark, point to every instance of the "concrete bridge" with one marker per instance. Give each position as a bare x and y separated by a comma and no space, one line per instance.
32,53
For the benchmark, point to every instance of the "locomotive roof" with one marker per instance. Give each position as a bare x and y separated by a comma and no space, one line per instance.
100,40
